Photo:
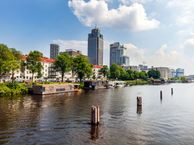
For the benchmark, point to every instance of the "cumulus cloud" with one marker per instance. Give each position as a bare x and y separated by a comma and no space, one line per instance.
127,2
163,56
136,54
184,9
72,44
133,17
189,43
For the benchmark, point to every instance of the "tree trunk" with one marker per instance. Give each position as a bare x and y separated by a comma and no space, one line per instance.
32,77
12,76
62,75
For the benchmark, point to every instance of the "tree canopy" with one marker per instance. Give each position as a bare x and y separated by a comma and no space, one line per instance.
154,74
9,60
63,64
33,63
104,71
82,67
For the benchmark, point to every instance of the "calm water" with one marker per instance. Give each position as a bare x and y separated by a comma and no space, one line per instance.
65,119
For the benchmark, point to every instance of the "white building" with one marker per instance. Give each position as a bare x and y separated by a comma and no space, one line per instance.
96,73
48,72
165,72
25,75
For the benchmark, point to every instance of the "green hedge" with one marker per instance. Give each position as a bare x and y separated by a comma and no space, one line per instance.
10,89
136,82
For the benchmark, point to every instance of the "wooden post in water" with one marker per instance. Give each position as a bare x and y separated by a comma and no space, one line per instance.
160,95
139,101
95,115
172,91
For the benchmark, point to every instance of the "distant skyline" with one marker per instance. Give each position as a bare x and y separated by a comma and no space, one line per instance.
157,32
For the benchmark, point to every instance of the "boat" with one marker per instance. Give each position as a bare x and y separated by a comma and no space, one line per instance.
119,84
44,89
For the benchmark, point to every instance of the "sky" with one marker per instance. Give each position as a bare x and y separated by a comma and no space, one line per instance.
156,32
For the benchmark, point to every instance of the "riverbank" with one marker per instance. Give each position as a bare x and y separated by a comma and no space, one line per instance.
11,89
136,82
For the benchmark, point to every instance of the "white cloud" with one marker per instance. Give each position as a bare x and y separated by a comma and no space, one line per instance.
163,56
189,43
136,54
131,17
72,44
184,11
126,2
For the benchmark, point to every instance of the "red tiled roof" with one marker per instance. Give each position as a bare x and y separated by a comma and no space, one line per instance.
97,66
48,60
43,59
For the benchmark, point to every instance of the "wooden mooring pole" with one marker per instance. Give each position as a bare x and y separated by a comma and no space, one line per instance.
172,92
160,95
95,115
139,101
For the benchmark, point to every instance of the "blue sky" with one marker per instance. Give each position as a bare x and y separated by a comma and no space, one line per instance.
157,32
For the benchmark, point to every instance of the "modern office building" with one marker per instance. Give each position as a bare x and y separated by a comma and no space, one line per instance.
173,73
179,72
95,47
54,50
118,55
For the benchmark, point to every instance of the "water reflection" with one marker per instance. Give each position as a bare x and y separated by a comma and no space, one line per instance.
139,109
63,119
94,132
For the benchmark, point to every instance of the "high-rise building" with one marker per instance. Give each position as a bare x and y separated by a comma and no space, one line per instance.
95,47
179,72
54,50
118,55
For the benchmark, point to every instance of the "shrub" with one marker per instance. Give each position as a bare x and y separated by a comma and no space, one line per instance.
10,89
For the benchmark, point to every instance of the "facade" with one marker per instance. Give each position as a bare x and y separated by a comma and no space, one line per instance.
134,68
96,74
95,47
73,52
54,50
172,73
118,55
165,72
48,72
25,75
143,67
179,72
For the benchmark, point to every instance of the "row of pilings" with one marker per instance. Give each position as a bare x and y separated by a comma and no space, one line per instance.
95,110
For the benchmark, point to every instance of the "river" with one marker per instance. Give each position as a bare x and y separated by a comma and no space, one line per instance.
65,119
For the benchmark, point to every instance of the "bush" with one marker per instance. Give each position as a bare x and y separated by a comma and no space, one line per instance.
10,89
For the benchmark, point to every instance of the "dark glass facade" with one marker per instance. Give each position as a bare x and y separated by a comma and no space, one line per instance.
95,47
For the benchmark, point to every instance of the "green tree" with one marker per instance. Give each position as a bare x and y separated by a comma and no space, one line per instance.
123,74
6,56
130,74
15,62
143,75
114,71
154,74
104,71
33,63
63,63
81,67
